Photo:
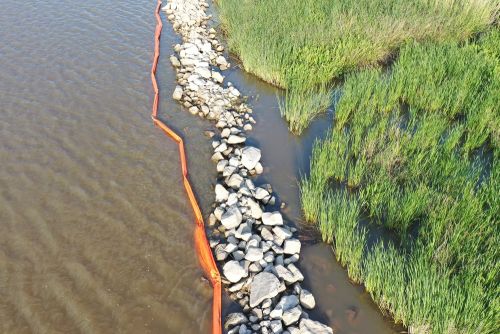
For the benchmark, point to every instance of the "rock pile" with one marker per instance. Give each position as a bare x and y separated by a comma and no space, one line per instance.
256,250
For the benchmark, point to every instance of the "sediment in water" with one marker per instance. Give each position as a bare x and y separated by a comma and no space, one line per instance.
255,248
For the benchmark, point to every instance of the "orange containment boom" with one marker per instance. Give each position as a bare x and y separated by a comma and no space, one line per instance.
200,239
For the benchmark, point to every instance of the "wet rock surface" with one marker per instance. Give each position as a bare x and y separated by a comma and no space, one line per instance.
254,246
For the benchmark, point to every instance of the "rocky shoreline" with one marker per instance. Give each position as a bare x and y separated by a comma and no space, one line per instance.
254,247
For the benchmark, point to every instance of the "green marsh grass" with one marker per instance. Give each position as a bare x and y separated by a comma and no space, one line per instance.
415,150
302,45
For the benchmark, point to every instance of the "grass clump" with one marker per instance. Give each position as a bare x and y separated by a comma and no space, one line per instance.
415,152
303,45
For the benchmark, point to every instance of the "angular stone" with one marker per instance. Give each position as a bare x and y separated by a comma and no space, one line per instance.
234,139
285,274
250,156
220,254
231,218
233,271
254,254
175,62
266,234
295,272
259,169
292,246
264,285
221,148
308,326
288,302
221,165
177,93
307,299
292,315
244,232
282,232
276,327
238,255
255,210
235,319
221,193
235,181
217,77
194,110
272,218
261,193
204,72
220,60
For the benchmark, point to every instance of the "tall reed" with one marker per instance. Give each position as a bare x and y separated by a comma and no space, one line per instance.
415,152
302,45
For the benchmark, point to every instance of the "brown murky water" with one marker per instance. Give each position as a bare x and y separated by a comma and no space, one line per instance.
95,232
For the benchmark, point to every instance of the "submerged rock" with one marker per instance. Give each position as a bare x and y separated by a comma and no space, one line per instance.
308,326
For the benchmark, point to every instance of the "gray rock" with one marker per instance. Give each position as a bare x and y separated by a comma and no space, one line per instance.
307,299
238,255
258,168
292,246
218,212
234,319
255,210
285,274
276,326
217,156
292,259
308,326
175,62
282,232
234,139
264,285
231,218
233,271
221,165
221,193
228,170
254,254
288,302
272,218
217,77
250,156
266,234
243,329
177,93
204,72
235,181
194,110
244,232
230,247
221,148
220,253
261,193
220,60
291,316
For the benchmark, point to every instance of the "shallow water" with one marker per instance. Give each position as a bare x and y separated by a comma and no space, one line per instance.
95,231
346,307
